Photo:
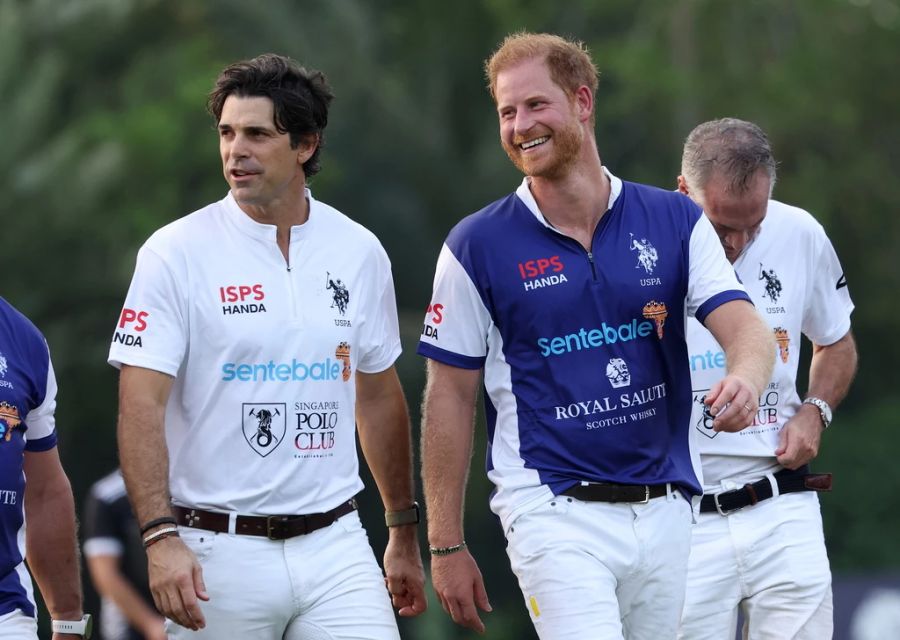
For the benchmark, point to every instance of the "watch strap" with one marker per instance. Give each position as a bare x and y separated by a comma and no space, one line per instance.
402,517
824,409
75,627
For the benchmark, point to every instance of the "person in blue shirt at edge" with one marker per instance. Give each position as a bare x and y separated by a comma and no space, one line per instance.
37,510
571,294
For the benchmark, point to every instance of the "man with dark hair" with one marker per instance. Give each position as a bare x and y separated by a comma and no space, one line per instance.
37,511
758,543
242,386
571,295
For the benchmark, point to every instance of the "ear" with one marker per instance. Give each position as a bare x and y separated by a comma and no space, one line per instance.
584,102
682,186
307,148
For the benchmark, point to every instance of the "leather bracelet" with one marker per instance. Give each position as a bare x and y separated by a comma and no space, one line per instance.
158,535
168,534
402,517
446,551
156,522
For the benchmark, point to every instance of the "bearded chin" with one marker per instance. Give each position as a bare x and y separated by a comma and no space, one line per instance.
567,145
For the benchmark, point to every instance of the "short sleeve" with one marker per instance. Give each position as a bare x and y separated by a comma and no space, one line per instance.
152,329
380,336
711,280
41,421
101,535
826,318
457,322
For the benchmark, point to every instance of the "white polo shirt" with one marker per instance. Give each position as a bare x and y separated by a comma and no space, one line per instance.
260,419
794,277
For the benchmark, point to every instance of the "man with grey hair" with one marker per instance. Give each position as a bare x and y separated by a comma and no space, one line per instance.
758,544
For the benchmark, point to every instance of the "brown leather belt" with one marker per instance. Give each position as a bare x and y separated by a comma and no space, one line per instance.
788,481
609,492
271,527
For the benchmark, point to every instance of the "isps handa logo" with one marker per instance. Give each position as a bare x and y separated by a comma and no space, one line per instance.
434,315
238,299
132,322
541,272
9,420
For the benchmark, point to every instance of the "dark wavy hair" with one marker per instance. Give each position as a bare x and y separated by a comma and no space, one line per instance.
301,97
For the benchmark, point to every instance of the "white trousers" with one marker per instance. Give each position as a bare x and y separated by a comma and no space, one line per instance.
601,571
770,561
325,585
17,626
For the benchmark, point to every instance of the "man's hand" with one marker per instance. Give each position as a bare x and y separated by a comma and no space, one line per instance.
798,442
176,581
460,588
733,402
404,574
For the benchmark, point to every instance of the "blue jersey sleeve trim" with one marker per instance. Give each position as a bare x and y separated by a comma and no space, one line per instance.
41,444
718,300
448,357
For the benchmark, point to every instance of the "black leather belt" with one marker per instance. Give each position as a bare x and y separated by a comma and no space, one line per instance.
788,481
609,492
271,527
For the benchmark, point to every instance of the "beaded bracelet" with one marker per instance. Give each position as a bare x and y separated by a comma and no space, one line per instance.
156,536
156,522
446,551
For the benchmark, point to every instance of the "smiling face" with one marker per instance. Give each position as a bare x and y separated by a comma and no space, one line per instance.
736,217
541,127
260,165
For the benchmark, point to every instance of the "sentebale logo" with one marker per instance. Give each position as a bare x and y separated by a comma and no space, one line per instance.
272,371
596,337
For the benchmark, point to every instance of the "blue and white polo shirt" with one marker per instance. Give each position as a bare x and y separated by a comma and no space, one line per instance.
27,403
585,365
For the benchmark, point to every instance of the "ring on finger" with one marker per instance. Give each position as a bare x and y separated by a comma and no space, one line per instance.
747,407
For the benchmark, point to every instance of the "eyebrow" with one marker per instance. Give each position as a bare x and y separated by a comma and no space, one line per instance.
252,128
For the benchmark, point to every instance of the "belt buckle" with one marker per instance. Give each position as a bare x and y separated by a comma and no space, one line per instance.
646,495
271,521
721,511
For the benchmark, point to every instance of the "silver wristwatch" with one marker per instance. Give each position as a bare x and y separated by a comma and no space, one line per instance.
823,407
81,627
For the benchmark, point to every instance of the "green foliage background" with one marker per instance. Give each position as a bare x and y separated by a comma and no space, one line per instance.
106,139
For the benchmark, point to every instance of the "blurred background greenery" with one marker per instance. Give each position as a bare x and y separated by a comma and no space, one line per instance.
106,139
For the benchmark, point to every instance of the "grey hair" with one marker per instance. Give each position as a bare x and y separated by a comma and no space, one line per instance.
735,148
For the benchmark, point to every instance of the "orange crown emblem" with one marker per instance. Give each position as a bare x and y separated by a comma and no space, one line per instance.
10,415
657,312
342,353
784,342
